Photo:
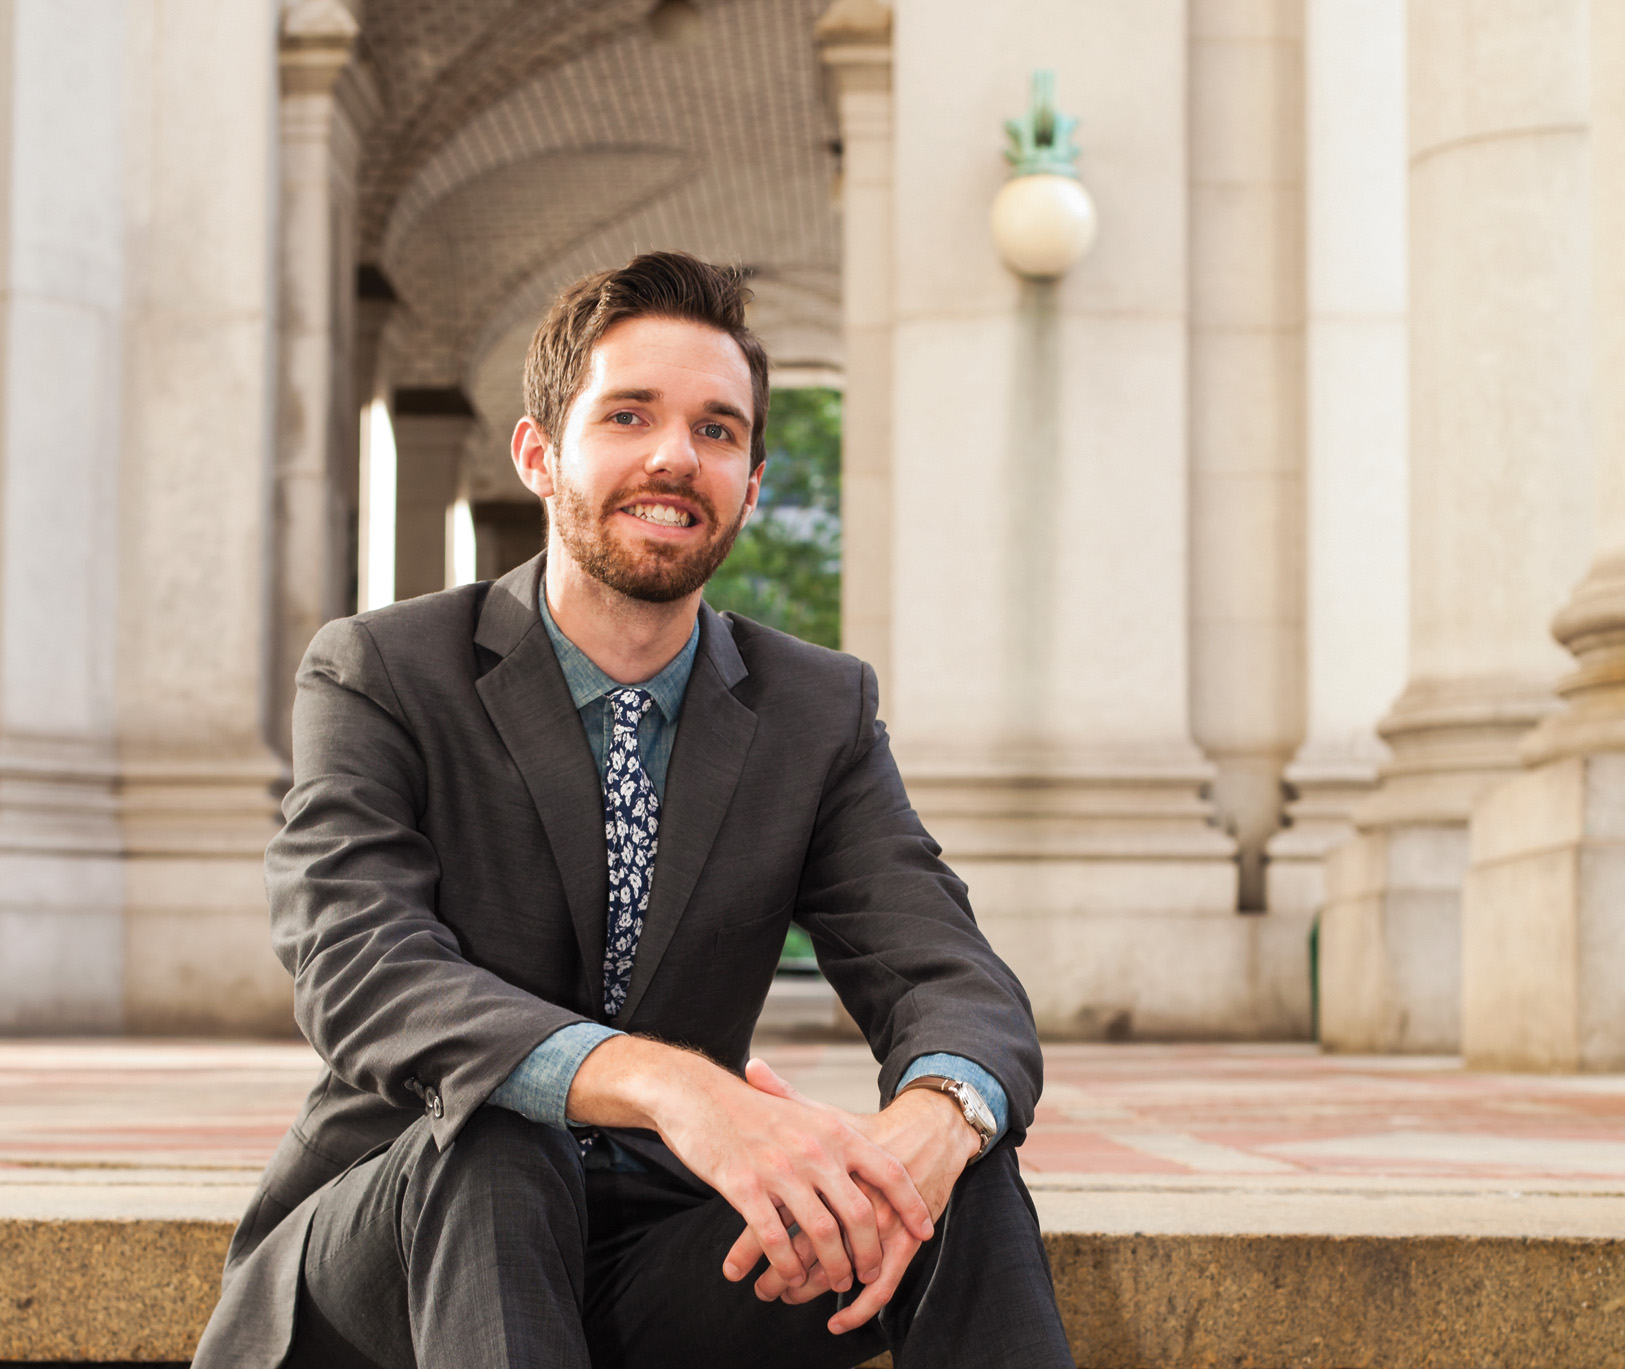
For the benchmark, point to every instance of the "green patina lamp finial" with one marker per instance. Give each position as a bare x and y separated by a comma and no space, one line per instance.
1041,140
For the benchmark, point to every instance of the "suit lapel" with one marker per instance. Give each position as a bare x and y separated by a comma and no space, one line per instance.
531,708
713,737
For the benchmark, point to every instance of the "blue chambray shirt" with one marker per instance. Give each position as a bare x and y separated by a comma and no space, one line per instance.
540,1084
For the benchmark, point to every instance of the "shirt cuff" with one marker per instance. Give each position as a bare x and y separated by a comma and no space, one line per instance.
966,1072
539,1086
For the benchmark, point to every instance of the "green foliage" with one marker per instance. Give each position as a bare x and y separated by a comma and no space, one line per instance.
798,956
785,569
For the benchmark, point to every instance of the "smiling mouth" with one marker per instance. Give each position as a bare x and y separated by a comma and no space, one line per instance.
662,515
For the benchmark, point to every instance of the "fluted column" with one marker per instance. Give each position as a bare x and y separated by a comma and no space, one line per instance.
62,285
1040,699
1246,415
198,780
855,42
317,423
1543,953
1355,516
431,426
1500,489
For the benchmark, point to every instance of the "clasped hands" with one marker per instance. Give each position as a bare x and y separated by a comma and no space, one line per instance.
874,1238
829,1197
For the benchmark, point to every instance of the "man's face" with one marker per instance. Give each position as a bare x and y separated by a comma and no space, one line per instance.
651,478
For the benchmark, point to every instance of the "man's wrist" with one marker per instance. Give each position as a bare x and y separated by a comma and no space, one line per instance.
948,1065
944,1116
968,1102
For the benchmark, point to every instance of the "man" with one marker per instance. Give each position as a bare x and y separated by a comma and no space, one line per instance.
544,842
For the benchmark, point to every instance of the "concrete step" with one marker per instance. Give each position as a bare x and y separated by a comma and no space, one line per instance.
1171,1276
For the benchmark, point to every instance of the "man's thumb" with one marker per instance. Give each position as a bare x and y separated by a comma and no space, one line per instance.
761,1076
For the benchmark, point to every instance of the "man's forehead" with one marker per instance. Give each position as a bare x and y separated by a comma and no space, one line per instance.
656,354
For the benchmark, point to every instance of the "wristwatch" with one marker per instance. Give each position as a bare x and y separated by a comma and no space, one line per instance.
976,1112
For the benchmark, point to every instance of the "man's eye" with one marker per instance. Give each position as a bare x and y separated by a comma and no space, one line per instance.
715,431
625,419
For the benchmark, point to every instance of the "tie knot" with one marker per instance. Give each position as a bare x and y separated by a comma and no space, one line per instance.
630,705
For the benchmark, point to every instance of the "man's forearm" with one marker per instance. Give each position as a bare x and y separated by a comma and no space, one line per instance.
631,1081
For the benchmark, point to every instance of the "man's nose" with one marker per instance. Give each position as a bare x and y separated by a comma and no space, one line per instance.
674,453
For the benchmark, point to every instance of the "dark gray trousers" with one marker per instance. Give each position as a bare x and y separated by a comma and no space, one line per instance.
504,1251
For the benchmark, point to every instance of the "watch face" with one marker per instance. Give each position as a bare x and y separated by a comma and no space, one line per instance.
976,1111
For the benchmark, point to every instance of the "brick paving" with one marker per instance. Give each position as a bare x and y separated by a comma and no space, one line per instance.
1111,1114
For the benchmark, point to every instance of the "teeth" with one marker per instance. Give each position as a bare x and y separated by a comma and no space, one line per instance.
663,514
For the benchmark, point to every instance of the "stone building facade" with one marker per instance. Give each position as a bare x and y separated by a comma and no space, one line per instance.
1211,586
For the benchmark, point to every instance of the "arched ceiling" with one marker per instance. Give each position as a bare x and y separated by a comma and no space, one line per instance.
525,144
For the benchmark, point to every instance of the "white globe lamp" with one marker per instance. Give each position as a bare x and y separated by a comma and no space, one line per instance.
1044,221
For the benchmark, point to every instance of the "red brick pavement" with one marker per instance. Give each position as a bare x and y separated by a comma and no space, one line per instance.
1112,1112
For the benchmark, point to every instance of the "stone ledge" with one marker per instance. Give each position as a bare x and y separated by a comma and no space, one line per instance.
141,1290
138,1289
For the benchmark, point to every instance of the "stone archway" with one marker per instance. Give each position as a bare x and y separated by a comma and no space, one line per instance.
477,160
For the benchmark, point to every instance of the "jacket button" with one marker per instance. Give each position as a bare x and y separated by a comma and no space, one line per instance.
431,1102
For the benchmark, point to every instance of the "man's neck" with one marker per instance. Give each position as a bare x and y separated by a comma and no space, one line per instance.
628,639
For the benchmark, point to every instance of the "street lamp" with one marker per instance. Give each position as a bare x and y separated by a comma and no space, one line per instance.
1043,219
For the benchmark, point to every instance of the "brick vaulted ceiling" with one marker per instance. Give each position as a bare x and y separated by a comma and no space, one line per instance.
522,144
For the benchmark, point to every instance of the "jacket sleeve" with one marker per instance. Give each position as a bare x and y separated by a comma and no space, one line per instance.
381,989
894,932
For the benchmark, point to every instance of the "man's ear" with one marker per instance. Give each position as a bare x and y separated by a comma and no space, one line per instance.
753,492
530,452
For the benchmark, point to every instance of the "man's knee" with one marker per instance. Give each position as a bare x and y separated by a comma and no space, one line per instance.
994,1184
507,1177
992,1219
495,1139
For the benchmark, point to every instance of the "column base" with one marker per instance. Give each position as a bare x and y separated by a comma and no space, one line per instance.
1125,950
1113,898
1543,925
1319,819
61,943
61,888
1390,941
197,932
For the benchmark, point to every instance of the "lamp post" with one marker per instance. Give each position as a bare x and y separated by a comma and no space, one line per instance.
1043,219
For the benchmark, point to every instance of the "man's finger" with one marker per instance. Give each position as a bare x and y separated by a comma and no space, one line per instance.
887,1173
762,1077
899,1251
774,1241
900,1248
823,1229
771,1288
743,1256
860,1224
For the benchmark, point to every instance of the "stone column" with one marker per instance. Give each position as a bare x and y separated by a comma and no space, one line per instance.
855,41
317,425
1246,410
431,426
62,284
1356,552
1040,592
1500,490
1543,926
198,779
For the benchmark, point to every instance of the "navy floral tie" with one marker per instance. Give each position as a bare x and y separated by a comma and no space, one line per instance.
631,832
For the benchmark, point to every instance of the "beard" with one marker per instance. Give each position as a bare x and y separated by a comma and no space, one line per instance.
655,573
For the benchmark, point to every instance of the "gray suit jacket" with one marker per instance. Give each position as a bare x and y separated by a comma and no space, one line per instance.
439,889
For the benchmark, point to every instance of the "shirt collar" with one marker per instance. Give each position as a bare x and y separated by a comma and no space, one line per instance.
587,682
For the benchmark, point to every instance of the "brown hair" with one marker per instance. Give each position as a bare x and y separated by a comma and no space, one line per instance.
654,285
